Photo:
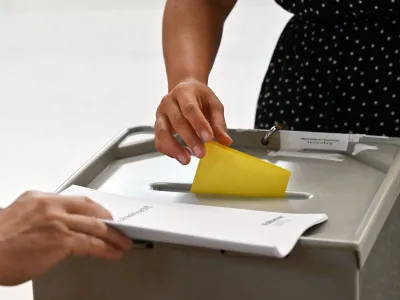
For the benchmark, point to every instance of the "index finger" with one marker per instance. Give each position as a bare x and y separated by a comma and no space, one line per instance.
166,143
192,112
97,228
217,121
82,205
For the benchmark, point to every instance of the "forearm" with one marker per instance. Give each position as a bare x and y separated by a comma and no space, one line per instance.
192,32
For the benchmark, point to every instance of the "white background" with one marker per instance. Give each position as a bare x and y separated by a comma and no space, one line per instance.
74,73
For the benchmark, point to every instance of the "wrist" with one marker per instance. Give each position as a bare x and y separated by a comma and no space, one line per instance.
183,80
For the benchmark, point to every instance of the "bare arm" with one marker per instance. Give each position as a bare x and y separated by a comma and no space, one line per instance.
192,32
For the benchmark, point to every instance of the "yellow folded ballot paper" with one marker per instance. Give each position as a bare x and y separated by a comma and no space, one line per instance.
226,171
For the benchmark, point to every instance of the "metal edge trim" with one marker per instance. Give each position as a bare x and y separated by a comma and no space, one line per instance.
378,212
113,143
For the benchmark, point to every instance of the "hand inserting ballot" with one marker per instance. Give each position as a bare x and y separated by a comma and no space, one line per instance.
192,110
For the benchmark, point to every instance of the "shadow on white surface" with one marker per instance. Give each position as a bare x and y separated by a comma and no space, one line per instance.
74,73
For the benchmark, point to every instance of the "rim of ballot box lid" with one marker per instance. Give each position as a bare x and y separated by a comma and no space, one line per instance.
119,148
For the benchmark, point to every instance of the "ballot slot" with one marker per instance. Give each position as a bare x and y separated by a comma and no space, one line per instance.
186,187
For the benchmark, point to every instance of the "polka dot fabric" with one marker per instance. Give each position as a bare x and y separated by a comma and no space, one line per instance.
336,68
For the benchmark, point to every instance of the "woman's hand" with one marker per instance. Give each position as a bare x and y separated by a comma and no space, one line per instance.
40,230
192,110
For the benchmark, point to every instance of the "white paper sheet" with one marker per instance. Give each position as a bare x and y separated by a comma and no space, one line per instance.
291,140
248,231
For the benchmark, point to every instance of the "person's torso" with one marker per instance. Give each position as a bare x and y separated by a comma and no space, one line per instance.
340,8
336,67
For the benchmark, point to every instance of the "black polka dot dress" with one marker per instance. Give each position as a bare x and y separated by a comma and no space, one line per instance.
336,68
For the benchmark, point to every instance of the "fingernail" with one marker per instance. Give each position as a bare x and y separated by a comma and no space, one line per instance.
206,136
198,151
227,136
182,159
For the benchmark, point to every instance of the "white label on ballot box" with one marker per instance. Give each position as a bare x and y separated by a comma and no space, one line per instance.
291,140
239,230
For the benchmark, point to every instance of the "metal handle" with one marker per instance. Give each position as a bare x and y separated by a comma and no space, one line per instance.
139,130
132,131
265,140
90,167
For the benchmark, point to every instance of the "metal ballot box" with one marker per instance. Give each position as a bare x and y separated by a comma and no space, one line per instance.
354,255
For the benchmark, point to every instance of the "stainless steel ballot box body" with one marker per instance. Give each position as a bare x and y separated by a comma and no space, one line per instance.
354,255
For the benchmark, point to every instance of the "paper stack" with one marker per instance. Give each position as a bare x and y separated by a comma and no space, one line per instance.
239,230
